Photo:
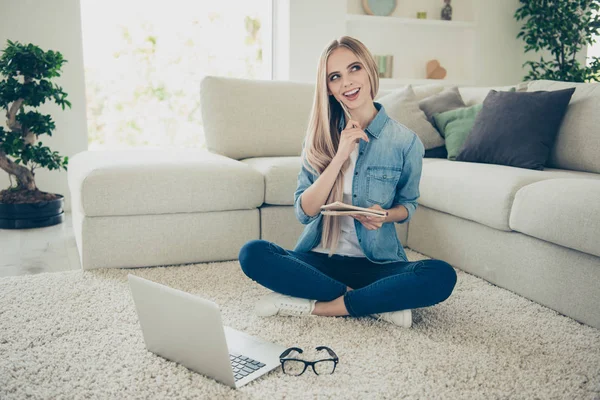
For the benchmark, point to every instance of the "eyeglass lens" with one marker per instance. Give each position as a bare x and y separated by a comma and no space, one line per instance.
324,367
294,367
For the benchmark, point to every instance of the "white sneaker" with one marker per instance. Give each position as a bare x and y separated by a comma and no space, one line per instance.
401,318
280,304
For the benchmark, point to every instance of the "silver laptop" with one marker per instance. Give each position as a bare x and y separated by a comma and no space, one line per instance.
188,329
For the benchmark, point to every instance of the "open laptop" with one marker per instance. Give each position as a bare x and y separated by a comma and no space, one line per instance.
188,329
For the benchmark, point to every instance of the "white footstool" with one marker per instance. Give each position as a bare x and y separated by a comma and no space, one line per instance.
137,208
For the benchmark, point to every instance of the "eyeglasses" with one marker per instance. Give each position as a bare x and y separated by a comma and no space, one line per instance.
296,366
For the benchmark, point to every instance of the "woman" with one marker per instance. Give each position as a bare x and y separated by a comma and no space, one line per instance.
350,265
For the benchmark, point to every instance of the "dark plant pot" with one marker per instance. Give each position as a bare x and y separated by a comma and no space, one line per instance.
32,215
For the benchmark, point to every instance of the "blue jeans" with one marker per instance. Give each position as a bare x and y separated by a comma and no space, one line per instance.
377,288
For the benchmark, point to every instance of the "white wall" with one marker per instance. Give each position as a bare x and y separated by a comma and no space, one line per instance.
303,28
53,25
497,55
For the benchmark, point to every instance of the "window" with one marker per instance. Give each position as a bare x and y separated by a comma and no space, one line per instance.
594,49
144,62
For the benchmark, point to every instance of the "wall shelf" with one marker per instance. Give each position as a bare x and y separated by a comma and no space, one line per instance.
409,21
413,42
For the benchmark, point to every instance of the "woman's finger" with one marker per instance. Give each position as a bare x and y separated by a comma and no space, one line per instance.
352,123
367,225
360,135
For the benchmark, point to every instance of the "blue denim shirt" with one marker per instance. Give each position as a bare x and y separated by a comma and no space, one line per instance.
387,172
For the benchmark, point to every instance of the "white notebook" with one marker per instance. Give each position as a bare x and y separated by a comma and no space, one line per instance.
339,208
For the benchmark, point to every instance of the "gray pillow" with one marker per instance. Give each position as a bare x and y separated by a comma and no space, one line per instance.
448,99
516,128
403,106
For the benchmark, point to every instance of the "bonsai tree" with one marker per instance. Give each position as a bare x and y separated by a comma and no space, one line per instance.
563,27
25,73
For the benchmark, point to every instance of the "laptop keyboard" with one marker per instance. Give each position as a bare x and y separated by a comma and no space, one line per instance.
243,366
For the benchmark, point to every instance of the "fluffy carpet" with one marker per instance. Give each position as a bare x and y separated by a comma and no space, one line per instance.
76,335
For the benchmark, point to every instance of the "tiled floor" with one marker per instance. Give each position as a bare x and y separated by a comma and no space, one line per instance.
32,251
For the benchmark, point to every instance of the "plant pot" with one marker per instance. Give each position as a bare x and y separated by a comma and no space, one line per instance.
32,215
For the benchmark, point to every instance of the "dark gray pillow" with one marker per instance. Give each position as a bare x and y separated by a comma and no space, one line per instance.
516,128
436,152
447,100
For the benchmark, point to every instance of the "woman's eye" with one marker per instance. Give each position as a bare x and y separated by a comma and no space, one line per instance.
354,66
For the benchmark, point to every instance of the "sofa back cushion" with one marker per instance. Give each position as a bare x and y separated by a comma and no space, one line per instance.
246,118
472,95
577,145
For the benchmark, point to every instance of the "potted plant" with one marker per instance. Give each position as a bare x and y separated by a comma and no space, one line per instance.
26,72
563,28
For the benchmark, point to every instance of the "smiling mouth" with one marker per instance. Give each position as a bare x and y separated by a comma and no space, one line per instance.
353,94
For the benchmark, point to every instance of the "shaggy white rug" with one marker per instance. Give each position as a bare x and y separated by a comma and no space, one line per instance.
76,335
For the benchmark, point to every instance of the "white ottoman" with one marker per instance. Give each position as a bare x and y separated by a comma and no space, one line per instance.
138,208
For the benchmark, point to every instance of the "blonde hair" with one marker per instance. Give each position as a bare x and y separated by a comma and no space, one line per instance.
323,136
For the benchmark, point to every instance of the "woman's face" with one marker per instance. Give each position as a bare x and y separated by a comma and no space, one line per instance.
345,73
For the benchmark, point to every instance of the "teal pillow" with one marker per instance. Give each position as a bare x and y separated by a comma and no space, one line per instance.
455,125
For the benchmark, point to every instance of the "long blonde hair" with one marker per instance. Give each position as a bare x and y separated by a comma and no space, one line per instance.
323,136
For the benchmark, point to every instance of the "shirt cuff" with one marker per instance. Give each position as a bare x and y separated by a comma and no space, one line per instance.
410,207
301,215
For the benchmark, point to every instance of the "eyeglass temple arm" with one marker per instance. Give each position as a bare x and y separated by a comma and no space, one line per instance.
288,351
331,352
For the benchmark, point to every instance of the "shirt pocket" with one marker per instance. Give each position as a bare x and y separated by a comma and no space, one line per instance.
381,184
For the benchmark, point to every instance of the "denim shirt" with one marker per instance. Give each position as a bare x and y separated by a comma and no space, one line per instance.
387,172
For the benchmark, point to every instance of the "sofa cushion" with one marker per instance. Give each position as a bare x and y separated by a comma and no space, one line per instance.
455,126
437,152
403,106
246,118
165,181
516,129
577,145
474,95
480,192
281,175
561,211
447,100
421,91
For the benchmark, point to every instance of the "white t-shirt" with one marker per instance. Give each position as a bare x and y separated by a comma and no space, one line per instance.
348,244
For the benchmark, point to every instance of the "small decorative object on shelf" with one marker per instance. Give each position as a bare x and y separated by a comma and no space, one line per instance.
435,70
385,65
421,14
381,8
447,11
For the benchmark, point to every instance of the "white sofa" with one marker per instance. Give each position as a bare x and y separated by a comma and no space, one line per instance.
536,233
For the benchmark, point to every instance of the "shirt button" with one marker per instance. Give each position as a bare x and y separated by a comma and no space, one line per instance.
358,240
356,173
354,195
361,153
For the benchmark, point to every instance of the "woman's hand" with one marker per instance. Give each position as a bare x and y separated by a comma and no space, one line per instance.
370,222
348,139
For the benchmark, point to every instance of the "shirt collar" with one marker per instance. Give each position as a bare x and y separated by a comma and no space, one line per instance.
376,125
